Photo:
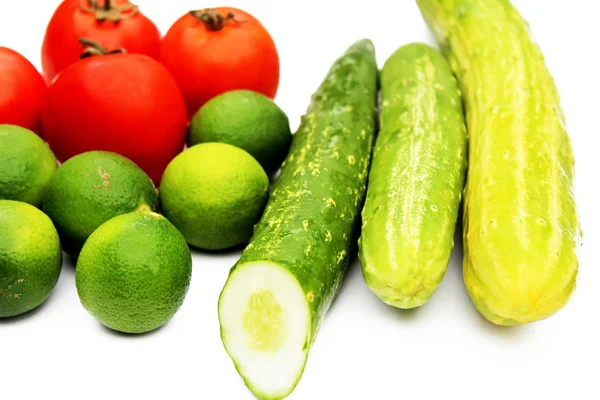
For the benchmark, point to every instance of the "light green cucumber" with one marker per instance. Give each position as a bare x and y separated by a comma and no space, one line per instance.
416,178
521,229
286,279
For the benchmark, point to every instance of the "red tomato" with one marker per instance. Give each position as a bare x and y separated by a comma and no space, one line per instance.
217,50
124,103
111,23
22,91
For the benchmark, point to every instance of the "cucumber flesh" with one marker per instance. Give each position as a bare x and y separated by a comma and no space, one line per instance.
266,327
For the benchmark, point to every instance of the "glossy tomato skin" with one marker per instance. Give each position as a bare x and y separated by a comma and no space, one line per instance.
137,34
206,62
124,103
22,91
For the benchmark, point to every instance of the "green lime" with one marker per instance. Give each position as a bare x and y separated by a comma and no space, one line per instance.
248,120
30,258
91,188
26,165
214,193
134,272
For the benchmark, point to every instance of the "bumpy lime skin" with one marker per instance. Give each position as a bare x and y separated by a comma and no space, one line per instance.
248,120
134,272
30,258
214,193
26,165
90,189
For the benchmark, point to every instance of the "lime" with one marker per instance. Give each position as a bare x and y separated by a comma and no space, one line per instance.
248,120
26,165
91,188
134,272
214,193
30,258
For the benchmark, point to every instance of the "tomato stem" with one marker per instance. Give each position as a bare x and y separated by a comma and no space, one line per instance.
212,19
108,11
93,48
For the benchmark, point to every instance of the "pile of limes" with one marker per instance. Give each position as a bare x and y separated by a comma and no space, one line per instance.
130,240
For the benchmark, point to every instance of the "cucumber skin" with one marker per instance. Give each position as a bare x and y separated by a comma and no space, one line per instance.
310,222
521,228
416,179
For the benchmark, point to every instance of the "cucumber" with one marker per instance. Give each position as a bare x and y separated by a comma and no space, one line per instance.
521,229
277,294
416,178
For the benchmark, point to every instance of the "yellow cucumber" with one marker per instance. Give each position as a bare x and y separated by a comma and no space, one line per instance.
416,178
521,228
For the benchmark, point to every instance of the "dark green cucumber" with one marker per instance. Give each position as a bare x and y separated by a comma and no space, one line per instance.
416,178
286,279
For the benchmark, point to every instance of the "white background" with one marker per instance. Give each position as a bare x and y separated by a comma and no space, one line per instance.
365,350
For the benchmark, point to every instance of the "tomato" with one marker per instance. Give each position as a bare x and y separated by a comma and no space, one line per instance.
112,23
22,91
125,103
217,50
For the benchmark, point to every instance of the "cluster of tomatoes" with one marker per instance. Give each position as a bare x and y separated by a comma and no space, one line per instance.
112,82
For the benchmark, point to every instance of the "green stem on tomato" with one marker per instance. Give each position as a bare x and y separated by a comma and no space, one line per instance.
93,48
212,19
109,11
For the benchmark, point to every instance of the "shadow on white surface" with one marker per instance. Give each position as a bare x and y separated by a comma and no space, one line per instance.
69,261
131,336
29,314
233,251
393,313
53,298
456,263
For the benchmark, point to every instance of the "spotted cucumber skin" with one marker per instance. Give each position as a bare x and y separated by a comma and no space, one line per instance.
310,221
521,228
416,178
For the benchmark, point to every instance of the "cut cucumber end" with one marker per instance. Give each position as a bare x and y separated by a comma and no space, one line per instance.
266,327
